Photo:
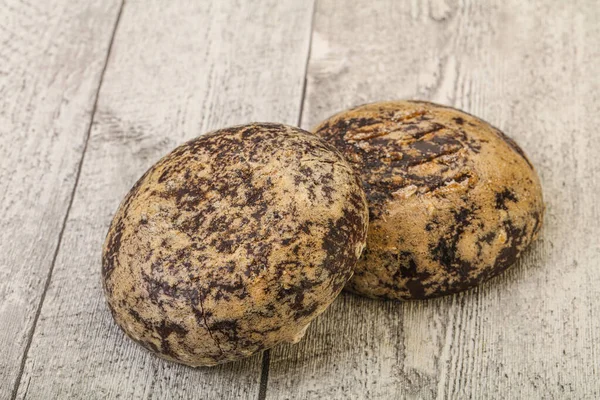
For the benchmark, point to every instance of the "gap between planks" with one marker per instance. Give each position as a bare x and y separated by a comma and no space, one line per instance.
266,358
70,204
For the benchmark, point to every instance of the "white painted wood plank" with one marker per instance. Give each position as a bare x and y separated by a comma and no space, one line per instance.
51,58
531,68
177,69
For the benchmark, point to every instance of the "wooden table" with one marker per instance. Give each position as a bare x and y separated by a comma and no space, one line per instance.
94,92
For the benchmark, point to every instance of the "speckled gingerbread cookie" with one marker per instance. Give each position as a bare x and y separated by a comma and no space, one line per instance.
233,243
452,200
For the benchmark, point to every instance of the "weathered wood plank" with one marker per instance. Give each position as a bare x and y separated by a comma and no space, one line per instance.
530,68
177,69
51,59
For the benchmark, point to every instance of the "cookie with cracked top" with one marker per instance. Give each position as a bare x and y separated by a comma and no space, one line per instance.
452,200
233,243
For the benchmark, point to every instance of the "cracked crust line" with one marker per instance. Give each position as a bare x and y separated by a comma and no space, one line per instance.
208,327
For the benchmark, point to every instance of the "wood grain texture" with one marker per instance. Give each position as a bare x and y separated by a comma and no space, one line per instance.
531,68
177,69
51,58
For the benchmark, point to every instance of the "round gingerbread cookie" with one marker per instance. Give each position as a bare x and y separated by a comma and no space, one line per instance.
233,243
452,200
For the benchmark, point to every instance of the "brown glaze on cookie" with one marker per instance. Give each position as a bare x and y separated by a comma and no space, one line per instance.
452,200
233,243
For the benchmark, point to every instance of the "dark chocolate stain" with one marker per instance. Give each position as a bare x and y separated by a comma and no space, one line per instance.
385,164
503,197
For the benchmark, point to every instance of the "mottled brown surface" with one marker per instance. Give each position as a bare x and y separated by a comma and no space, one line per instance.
233,243
452,200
